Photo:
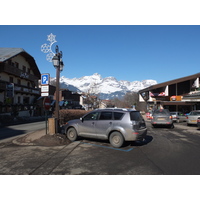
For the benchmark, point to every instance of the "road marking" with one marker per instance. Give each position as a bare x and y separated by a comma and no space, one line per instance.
118,149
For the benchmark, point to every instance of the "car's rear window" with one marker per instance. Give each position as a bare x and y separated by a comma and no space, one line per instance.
118,115
195,113
172,113
135,116
161,112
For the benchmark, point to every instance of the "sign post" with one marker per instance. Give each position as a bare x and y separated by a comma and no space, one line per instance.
47,106
45,93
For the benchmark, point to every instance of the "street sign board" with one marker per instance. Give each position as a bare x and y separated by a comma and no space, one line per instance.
45,85
44,79
45,88
44,94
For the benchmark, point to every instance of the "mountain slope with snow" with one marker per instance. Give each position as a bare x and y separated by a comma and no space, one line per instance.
108,87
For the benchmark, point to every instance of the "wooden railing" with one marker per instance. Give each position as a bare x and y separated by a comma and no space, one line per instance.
17,72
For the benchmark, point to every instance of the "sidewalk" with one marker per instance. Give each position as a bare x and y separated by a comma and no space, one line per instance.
30,138
42,139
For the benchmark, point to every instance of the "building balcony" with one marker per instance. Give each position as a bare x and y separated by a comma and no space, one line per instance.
17,72
26,90
20,89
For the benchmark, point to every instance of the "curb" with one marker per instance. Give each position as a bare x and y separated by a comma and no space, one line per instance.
16,141
26,139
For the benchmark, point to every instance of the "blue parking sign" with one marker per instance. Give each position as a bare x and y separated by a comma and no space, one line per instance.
44,79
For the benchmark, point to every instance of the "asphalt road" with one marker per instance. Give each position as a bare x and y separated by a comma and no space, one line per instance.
165,152
20,129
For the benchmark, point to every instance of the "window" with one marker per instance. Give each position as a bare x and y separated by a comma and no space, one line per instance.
135,116
118,115
195,113
106,116
16,64
19,81
10,62
91,116
26,100
11,79
161,112
24,69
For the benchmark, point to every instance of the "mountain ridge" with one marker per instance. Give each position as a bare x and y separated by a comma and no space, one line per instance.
108,87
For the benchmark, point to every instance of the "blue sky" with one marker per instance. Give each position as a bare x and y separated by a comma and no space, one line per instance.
133,52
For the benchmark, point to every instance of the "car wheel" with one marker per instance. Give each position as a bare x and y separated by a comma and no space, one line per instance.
116,139
72,134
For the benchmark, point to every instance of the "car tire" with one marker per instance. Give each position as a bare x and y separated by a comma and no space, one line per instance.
116,139
72,134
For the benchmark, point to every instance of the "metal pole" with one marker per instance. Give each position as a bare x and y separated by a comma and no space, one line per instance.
57,97
46,120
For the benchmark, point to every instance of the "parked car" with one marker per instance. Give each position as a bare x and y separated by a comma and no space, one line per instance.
192,117
116,125
162,117
178,116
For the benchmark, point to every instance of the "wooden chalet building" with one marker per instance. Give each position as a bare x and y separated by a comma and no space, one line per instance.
19,75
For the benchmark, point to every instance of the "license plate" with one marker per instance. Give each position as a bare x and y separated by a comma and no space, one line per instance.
193,120
161,118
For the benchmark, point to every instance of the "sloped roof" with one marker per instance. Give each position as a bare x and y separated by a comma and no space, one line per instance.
186,78
8,53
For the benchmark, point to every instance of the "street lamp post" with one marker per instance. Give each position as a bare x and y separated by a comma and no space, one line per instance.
58,64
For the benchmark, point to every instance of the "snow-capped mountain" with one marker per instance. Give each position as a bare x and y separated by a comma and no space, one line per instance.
108,87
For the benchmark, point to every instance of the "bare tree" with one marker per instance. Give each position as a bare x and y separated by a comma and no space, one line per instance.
92,96
128,101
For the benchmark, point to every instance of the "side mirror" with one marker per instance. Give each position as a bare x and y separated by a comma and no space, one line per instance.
81,119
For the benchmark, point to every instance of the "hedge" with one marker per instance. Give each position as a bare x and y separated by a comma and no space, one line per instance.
66,115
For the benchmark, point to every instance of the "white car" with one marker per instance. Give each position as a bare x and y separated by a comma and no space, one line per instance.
193,116
178,116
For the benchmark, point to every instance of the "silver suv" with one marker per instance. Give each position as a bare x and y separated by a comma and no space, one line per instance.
116,125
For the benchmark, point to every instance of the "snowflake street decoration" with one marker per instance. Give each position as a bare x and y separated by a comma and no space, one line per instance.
46,48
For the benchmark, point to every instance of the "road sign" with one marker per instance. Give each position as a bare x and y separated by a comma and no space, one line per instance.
44,79
47,103
45,88
44,94
45,85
